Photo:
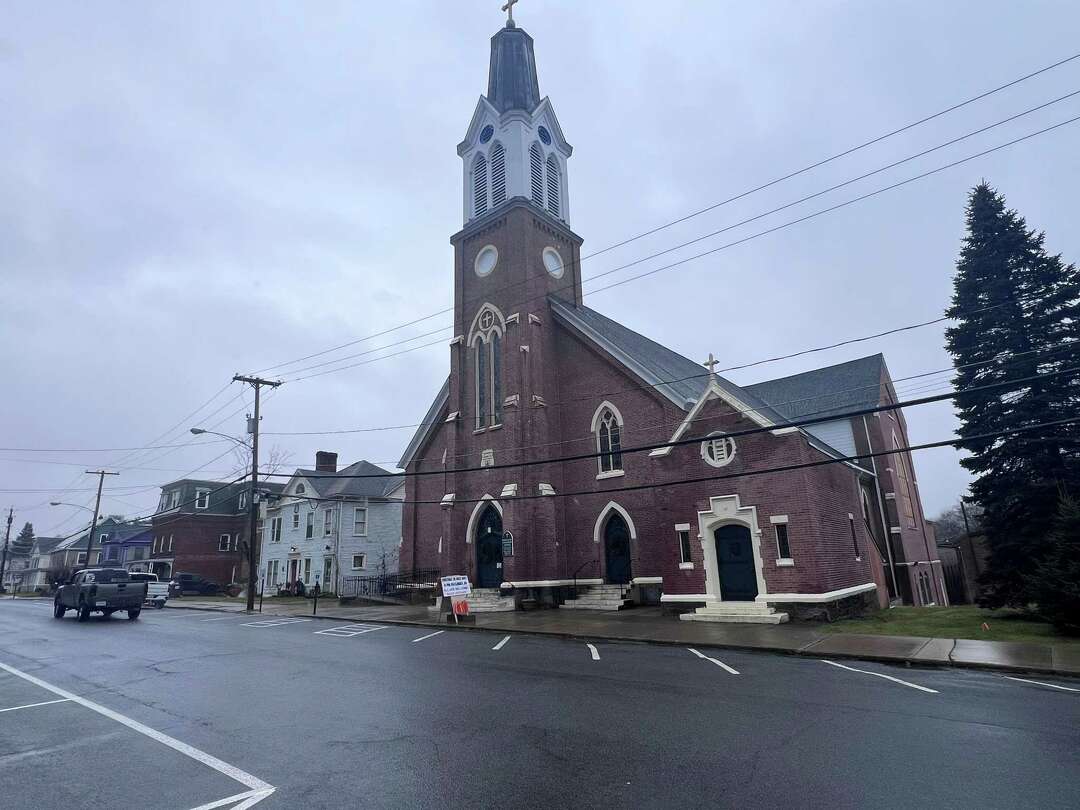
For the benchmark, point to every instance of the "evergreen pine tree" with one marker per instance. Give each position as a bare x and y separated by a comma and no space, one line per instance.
1016,311
1057,579
22,544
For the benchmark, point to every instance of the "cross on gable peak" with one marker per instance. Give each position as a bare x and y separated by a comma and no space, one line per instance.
711,365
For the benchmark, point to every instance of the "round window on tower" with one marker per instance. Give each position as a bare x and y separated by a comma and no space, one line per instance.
486,133
486,260
545,136
553,262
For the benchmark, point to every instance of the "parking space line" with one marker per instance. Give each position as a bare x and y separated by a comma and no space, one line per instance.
429,635
1040,683
259,788
721,664
217,619
595,654
499,646
274,622
349,630
32,705
880,675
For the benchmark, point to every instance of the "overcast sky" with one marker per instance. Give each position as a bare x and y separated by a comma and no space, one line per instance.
189,190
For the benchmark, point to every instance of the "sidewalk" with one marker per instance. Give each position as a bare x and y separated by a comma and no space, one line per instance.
648,625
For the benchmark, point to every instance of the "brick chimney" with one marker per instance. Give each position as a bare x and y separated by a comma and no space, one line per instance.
325,462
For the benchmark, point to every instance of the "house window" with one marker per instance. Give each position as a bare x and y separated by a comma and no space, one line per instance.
137,553
296,516
223,542
307,570
854,539
327,572
170,542
783,543
684,546
97,558
609,442
275,530
104,538
718,450
243,502
360,521
174,499
81,559
359,561
300,489
328,523
161,502
310,525
202,498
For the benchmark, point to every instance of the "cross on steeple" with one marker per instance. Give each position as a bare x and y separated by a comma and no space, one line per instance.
509,9
711,365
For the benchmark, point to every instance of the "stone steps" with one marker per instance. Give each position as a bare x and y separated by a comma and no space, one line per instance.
599,597
736,612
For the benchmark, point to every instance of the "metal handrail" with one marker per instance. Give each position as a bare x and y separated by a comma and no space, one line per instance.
578,571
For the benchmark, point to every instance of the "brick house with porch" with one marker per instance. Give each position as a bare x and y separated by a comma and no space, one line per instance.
535,376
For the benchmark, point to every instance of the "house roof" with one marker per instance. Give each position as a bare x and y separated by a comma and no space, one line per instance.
825,391
340,485
46,544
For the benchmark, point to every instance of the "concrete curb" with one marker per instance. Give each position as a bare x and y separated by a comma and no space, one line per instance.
806,651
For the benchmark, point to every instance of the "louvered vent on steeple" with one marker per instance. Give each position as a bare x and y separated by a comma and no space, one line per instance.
537,174
553,185
480,192
498,175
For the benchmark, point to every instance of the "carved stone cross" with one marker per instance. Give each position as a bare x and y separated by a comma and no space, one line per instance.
711,364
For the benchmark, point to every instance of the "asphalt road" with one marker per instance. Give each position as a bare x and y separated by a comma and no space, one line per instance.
187,709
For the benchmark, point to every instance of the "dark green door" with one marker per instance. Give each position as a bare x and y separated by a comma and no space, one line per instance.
489,573
735,555
617,550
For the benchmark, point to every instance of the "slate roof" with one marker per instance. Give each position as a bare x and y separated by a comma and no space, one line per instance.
825,391
339,485
512,81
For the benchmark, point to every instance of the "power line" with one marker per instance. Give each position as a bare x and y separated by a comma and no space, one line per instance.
745,239
714,206
797,423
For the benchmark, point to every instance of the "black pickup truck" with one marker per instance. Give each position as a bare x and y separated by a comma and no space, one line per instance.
100,590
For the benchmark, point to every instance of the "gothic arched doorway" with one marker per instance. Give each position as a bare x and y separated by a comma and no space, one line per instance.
617,550
489,561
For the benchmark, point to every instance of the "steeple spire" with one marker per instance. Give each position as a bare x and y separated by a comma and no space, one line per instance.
512,82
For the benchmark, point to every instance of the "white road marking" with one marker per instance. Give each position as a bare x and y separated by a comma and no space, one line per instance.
595,654
217,619
1040,683
880,675
253,783
499,646
32,705
349,630
429,635
720,664
273,622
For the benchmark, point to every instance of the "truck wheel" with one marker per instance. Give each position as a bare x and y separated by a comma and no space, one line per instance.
84,611
58,610
133,614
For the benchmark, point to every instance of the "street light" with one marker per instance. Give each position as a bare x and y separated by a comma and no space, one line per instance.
65,503
253,513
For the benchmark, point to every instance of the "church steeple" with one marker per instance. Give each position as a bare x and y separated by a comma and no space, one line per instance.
514,147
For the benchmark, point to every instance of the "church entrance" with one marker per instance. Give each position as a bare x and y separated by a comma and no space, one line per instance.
735,556
489,560
617,550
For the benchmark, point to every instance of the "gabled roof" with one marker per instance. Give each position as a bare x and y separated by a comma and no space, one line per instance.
427,425
46,544
825,391
341,485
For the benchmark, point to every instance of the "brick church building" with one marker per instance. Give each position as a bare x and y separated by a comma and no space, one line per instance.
536,376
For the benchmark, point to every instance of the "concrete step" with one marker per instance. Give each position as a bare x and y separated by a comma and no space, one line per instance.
736,618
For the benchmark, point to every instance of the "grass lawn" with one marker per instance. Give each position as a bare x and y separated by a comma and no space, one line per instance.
964,621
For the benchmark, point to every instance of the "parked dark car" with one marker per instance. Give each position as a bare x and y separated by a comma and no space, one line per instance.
185,584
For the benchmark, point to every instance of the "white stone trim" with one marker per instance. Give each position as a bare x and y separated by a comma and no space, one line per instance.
688,597
610,474
452,416
509,491
647,581
475,516
785,562
687,566
545,488
774,519
828,596
595,423
457,340
550,583
534,319
682,527
447,500
613,507
724,510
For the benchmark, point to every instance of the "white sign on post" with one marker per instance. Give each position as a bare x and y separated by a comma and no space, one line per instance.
456,586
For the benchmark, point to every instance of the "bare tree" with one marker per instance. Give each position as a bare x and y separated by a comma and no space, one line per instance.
949,525
274,460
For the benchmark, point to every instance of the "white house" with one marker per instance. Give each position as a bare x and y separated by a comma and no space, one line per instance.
328,524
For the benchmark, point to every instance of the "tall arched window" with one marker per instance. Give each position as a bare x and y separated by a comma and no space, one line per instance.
480,190
486,342
536,169
498,175
554,182
609,441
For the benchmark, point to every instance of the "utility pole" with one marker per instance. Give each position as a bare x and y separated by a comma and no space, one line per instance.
253,557
7,537
97,507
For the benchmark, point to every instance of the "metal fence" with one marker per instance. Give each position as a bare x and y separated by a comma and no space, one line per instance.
391,586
